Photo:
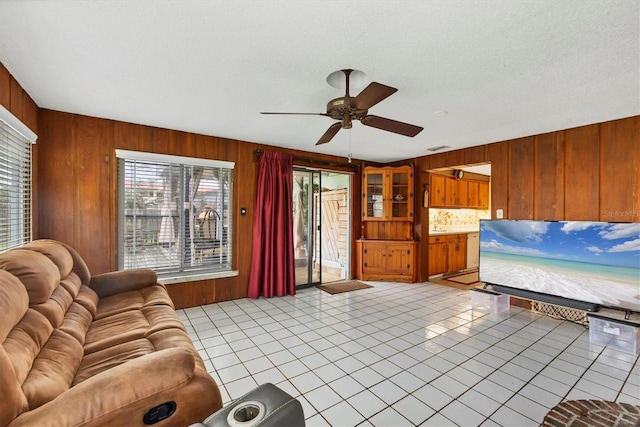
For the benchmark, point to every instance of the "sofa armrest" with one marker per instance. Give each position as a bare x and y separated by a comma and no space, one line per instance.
126,388
116,282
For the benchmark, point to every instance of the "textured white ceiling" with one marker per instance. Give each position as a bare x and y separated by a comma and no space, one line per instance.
501,69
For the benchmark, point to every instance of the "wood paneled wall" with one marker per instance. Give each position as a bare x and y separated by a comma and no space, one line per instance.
15,99
588,173
549,176
78,190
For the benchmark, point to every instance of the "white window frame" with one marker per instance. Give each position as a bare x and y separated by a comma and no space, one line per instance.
16,141
186,259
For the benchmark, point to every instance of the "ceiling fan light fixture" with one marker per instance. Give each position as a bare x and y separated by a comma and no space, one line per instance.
357,79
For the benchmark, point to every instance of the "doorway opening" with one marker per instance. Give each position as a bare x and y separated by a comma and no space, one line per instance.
459,198
321,226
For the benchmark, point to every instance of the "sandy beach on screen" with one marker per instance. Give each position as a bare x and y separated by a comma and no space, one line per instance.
575,286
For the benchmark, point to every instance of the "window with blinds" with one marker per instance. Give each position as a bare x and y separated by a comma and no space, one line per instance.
175,214
15,182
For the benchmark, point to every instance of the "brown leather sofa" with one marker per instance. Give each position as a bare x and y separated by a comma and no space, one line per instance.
104,350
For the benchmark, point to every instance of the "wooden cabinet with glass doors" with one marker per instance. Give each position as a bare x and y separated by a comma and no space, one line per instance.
388,194
387,250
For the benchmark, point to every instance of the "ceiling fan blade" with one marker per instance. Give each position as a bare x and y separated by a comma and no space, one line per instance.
391,125
295,114
371,95
330,133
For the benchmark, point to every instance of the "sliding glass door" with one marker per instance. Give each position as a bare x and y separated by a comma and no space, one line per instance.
305,185
321,226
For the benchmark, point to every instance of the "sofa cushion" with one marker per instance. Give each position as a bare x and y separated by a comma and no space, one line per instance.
39,275
109,357
133,300
88,299
53,370
56,252
129,326
25,341
77,322
73,271
55,308
60,253
14,303
46,359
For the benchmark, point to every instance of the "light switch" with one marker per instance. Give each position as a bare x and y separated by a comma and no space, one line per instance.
499,214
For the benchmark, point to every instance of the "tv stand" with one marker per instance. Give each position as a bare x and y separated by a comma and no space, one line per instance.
546,298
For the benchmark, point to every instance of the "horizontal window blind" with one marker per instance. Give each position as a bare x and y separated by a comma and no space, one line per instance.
15,186
175,215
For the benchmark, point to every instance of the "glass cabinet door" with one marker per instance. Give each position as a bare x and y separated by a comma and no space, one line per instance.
374,197
400,195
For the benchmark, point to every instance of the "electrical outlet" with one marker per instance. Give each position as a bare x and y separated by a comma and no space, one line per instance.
499,214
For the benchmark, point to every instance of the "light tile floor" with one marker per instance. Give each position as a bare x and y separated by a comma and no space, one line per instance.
407,355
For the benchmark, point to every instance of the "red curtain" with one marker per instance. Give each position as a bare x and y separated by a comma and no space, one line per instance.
272,262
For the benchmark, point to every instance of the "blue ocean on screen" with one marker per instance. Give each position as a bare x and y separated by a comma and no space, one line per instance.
596,262
609,272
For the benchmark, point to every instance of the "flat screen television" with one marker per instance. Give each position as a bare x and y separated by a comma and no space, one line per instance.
578,264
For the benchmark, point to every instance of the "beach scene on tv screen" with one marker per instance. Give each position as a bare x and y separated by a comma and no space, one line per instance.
596,262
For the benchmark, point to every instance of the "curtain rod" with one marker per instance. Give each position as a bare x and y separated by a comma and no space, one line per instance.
319,161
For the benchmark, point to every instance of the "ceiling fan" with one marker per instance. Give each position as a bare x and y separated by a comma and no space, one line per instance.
346,109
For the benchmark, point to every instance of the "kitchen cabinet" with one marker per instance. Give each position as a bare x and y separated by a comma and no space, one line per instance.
478,195
387,194
386,260
473,196
450,192
437,255
447,253
483,195
437,186
456,191
456,252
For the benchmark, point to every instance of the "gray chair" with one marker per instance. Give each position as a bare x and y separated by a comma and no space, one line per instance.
264,406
